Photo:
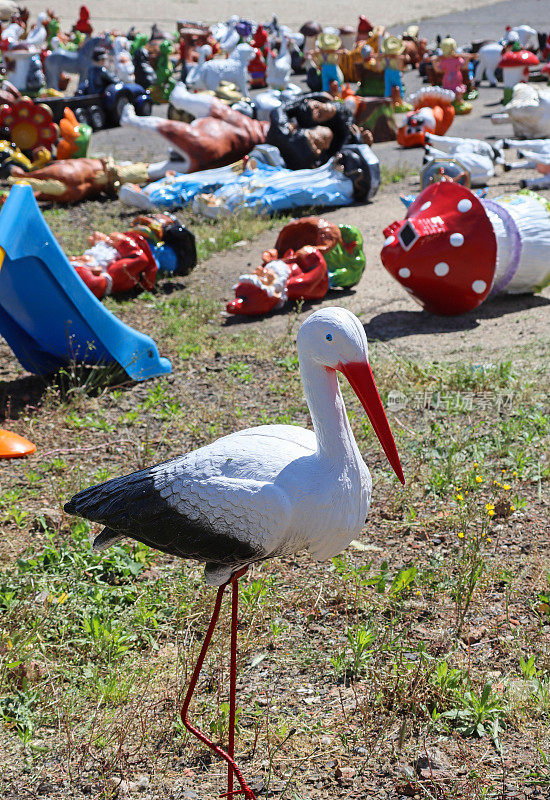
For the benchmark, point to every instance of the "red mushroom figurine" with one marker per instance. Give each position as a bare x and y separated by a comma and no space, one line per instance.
453,250
515,65
444,252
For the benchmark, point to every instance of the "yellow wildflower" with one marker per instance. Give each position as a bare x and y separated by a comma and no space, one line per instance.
512,508
459,497
514,474
489,539
505,486
461,534
479,478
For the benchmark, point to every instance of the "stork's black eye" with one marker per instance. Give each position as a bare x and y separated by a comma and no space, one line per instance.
328,337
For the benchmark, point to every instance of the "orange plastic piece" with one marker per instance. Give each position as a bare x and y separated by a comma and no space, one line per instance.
69,127
14,446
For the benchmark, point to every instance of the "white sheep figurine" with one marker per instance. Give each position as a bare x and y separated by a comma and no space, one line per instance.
234,69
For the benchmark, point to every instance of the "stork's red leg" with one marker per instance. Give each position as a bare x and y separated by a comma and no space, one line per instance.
219,751
233,679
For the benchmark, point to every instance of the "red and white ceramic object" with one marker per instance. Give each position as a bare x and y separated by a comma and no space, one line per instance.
515,66
444,252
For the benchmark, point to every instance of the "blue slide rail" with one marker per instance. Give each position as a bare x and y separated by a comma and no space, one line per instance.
48,316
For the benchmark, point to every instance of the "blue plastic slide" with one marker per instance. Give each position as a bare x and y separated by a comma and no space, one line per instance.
48,316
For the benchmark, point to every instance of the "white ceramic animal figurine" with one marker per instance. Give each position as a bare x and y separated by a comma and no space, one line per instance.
267,491
209,74
488,58
230,39
279,68
205,53
528,111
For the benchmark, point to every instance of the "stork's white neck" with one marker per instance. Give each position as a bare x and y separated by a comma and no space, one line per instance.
335,439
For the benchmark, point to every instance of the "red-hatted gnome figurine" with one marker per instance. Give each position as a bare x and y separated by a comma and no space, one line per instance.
297,276
116,263
256,70
260,39
83,22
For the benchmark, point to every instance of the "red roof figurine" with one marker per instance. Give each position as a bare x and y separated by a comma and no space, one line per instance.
364,27
444,252
83,22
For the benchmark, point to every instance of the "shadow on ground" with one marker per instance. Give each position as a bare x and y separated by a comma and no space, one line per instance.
397,324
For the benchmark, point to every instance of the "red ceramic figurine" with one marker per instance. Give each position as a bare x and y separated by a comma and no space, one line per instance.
83,22
297,276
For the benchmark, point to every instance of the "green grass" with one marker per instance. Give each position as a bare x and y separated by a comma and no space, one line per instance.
72,226
396,173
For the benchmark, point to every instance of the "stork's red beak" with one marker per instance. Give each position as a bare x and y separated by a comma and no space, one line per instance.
361,379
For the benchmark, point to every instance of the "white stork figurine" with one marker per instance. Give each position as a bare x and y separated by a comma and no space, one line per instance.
261,492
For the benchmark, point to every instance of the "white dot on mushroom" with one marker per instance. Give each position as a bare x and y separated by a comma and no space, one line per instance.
456,239
464,205
426,205
441,269
479,287
404,272
389,240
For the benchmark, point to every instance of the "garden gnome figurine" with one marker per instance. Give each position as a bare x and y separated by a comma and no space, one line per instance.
257,70
83,22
